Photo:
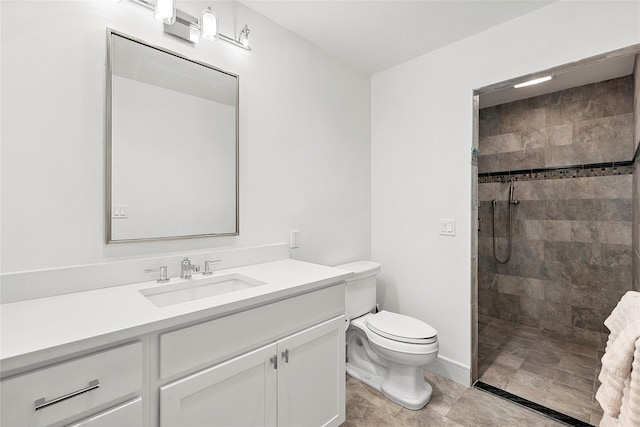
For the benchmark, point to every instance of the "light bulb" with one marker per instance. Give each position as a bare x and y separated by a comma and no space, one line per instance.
209,24
165,11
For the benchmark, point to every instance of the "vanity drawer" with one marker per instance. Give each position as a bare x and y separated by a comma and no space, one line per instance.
70,387
219,339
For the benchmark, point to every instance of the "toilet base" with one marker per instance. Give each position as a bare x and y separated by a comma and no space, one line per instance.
395,388
406,386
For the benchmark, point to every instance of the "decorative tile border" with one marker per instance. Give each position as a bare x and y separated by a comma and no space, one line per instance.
575,171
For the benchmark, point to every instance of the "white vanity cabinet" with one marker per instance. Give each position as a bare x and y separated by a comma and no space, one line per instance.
296,381
272,355
52,394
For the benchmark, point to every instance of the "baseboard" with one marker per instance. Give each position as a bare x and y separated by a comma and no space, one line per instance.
451,369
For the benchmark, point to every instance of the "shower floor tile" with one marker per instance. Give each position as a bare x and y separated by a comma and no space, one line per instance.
541,367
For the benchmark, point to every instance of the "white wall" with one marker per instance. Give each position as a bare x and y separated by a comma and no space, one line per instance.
304,136
421,159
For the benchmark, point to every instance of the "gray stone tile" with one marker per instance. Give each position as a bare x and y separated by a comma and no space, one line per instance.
503,143
614,134
538,357
550,189
557,292
600,276
616,255
530,386
560,134
529,209
587,318
534,138
615,210
580,383
576,252
616,232
602,187
517,160
538,369
488,163
488,127
477,408
498,375
570,401
578,365
574,209
547,230
425,417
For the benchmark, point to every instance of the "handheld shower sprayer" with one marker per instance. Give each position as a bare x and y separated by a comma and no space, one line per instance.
494,205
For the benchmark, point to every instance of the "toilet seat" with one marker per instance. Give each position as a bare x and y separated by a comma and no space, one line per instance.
398,327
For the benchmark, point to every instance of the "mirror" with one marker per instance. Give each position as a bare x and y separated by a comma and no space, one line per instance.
172,145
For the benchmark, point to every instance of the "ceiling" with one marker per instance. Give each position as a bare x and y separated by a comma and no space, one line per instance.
373,35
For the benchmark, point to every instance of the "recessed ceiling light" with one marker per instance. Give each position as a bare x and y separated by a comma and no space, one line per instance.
533,82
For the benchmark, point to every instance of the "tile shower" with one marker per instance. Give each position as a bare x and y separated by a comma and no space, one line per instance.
569,155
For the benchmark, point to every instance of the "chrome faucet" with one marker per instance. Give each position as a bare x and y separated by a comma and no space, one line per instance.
186,268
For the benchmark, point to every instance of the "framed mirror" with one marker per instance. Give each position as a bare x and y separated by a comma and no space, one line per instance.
172,145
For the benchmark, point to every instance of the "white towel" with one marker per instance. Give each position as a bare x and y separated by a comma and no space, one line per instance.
619,393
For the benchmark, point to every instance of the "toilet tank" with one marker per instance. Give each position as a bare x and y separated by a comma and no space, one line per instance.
360,294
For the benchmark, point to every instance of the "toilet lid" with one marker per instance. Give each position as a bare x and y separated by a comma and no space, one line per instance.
401,328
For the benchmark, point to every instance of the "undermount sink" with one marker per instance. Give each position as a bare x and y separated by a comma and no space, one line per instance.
164,295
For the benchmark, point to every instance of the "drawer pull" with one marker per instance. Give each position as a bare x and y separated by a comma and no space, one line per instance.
42,403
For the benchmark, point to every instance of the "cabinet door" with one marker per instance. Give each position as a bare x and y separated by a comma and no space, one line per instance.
311,376
127,415
239,392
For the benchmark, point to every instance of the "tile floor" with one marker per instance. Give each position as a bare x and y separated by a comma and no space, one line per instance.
541,366
451,405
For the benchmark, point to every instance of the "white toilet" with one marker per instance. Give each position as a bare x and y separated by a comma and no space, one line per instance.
386,350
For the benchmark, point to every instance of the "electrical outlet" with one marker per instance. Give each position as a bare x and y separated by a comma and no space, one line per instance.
294,240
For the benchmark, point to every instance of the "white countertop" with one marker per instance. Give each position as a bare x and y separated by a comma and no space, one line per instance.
38,330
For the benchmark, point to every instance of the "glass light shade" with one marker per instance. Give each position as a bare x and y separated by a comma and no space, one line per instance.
209,24
165,11
194,35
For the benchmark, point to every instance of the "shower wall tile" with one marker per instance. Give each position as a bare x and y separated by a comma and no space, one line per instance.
503,143
617,209
602,187
547,230
559,135
613,135
617,255
572,252
515,160
488,163
589,124
575,233
587,318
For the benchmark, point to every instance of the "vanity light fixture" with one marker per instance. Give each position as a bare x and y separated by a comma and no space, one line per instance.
533,82
189,28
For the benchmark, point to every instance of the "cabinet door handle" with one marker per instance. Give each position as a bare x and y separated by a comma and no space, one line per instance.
285,356
274,361
42,402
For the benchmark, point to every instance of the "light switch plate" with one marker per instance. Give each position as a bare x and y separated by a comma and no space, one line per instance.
119,211
447,227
